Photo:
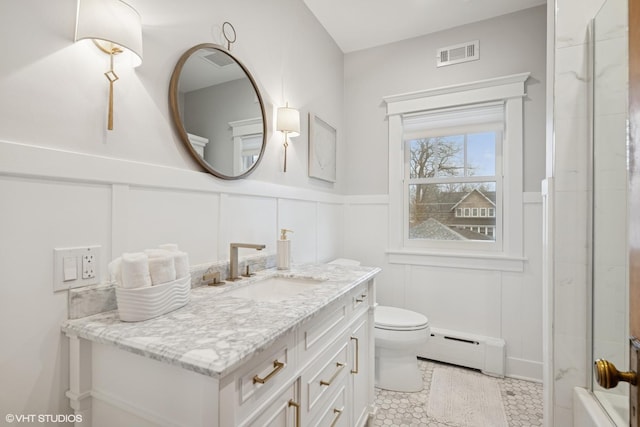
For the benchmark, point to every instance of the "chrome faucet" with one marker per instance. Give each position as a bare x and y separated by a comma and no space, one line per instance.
233,258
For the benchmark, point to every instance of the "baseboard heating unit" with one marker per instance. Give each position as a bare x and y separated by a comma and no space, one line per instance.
487,354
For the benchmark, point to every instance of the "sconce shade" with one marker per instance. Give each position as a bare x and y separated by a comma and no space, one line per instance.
288,121
111,21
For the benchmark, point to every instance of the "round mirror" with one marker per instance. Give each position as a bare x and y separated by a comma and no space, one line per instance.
218,111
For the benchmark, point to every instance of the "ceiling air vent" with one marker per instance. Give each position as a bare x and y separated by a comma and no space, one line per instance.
455,54
219,59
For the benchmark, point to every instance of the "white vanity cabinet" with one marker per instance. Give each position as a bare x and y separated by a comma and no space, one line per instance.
337,357
362,373
319,373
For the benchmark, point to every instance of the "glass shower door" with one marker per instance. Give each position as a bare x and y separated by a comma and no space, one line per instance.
610,337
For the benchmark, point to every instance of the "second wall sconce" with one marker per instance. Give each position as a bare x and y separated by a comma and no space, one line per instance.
115,28
288,122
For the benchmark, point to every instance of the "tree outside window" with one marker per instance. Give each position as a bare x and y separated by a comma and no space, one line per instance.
451,182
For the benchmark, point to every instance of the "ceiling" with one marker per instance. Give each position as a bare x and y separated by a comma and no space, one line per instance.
361,24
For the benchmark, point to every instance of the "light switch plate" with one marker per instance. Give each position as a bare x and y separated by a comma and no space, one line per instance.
75,267
69,268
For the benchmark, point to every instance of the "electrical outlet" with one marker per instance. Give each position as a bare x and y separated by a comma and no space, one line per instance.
75,267
88,264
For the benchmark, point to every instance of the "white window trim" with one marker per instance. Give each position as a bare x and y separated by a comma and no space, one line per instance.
242,129
510,90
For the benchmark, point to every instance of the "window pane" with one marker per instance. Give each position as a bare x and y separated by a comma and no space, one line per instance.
432,209
441,156
481,154
444,156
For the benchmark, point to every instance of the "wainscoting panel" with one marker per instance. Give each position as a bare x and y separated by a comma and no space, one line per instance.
189,219
502,303
301,217
246,219
54,198
331,231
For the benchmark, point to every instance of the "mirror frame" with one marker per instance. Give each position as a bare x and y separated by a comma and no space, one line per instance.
177,119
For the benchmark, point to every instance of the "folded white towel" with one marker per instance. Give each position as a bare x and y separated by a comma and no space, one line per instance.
154,253
115,271
162,266
181,261
134,270
171,247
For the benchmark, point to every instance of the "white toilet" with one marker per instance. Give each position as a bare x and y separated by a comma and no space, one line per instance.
398,334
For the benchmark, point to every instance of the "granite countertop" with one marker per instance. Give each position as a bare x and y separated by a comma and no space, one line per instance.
215,333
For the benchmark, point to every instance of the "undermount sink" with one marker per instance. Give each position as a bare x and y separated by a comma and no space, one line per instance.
275,288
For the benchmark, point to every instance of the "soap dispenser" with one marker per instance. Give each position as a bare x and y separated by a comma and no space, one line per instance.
284,250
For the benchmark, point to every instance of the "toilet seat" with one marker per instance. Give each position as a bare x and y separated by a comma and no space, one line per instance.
399,319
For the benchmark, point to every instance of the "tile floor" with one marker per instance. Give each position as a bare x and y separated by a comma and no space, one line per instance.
522,402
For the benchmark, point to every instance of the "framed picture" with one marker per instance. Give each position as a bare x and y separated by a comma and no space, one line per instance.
322,149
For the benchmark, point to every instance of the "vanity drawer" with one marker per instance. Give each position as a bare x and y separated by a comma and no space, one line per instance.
322,378
281,411
264,375
360,298
322,330
336,412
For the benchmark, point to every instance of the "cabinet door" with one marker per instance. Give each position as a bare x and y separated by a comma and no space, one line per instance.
282,411
360,367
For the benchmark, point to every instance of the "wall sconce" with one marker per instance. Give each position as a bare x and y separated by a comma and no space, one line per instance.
115,28
288,122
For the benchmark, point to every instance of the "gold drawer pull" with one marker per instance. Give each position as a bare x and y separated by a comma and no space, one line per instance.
338,412
297,406
362,298
355,371
335,374
276,367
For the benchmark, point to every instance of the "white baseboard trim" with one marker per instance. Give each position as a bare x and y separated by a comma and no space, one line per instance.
523,369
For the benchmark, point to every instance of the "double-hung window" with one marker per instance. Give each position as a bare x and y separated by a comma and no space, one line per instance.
455,175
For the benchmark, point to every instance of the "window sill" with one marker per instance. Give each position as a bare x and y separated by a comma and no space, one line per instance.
457,260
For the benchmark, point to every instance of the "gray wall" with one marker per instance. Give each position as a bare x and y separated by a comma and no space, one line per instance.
209,111
509,44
